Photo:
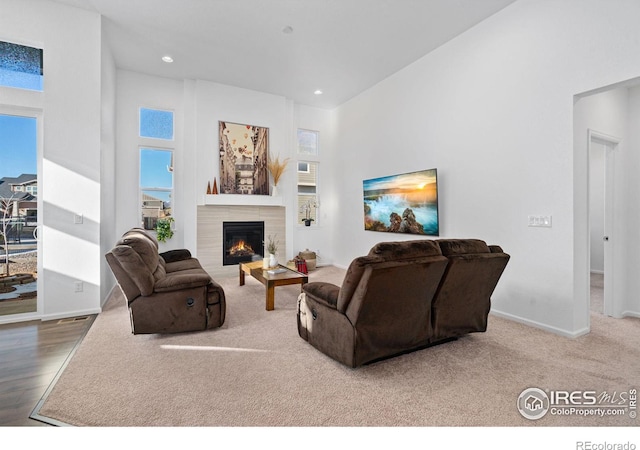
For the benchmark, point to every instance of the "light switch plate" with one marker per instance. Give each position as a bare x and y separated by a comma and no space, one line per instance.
540,221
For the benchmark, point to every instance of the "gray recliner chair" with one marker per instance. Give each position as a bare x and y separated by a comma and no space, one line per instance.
166,292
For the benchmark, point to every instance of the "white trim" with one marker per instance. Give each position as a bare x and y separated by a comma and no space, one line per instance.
240,199
541,326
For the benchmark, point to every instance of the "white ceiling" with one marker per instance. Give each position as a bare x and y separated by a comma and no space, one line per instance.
342,47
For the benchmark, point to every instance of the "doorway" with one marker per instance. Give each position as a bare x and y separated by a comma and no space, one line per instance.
19,216
602,151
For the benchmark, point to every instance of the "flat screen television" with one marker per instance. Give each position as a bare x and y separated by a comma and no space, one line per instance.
405,203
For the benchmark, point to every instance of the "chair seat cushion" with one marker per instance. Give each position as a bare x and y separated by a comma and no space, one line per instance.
185,264
182,280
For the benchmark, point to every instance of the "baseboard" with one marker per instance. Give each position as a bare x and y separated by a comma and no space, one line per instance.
66,315
631,314
542,326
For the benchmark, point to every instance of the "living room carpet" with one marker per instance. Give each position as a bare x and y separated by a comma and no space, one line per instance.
256,371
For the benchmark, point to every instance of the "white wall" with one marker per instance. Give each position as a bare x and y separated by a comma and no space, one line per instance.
493,111
631,302
216,102
318,237
134,91
70,170
107,167
199,106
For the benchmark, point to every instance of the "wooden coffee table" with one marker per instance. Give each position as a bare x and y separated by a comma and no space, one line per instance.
270,281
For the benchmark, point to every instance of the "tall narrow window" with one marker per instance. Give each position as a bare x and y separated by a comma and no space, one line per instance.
156,167
156,185
18,214
21,66
307,177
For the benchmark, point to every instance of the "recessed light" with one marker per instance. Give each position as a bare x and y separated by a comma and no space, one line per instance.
287,30
167,59
317,92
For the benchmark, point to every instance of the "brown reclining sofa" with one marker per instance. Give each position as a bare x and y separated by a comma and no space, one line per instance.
401,297
166,292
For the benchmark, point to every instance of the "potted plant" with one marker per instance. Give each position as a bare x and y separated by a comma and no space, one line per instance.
163,229
276,169
272,249
306,208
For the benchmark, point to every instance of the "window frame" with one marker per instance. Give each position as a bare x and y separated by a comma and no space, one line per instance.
308,159
27,85
163,110
156,144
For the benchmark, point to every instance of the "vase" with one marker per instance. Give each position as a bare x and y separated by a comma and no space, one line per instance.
274,190
307,222
273,262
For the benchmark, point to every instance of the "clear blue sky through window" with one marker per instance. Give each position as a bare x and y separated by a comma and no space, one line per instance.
18,146
155,123
156,173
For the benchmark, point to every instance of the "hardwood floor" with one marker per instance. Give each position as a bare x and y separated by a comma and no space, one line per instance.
31,354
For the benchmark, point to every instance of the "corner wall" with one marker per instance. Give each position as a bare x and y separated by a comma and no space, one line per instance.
70,169
493,111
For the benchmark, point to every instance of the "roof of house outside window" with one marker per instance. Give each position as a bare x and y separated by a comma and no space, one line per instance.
6,182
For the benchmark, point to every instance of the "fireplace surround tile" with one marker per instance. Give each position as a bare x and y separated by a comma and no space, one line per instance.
209,232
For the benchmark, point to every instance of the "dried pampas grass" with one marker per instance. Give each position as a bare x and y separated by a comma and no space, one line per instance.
276,168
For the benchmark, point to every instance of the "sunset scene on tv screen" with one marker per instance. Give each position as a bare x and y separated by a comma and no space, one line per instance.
406,203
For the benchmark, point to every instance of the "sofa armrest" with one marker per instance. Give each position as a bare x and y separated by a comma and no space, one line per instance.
325,293
178,281
175,255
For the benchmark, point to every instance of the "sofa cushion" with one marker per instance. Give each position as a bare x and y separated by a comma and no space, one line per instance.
451,247
143,245
142,231
324,292
351,281
182,280
405,250
185,264
131,262
175,255
160,271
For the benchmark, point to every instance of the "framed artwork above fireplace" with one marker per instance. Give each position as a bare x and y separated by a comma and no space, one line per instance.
243,159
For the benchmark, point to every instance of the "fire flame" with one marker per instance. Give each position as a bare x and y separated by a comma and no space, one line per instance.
241,247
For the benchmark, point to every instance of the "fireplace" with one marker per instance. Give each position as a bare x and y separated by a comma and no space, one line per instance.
242,242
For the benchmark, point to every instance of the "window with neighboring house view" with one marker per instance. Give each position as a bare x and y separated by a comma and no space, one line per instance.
156,167
307,176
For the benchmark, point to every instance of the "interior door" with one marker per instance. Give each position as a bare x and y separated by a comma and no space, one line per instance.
602,150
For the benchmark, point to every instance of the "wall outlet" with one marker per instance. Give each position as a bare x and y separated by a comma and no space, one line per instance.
78,286
77,218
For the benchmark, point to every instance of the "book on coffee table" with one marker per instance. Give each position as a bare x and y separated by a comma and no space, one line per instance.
276,271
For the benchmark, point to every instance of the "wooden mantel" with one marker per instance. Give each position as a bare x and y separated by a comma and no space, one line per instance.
242,200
